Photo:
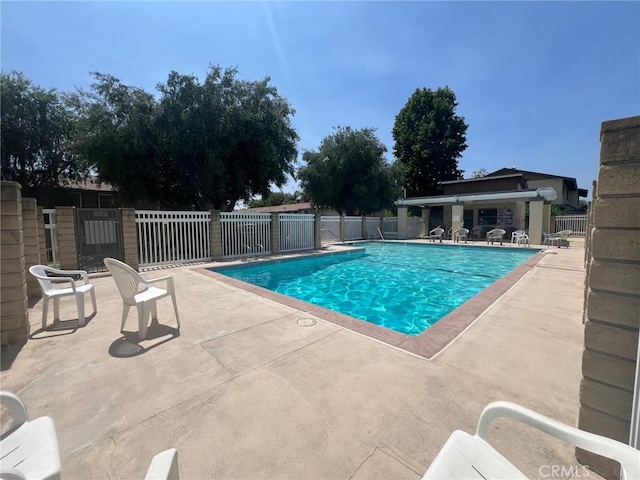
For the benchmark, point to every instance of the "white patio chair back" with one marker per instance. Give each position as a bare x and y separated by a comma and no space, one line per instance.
495,235
126,278
40,272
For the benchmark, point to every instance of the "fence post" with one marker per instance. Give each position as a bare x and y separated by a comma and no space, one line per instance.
14,317
275,233
342,228
67,238
215,235
317,231
365,232
130,237
31,246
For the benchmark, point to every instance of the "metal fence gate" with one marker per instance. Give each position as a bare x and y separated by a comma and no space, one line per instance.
98,236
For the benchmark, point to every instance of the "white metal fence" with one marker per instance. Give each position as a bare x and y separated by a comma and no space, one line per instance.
576,223
414,227
51,236
352,228
245,234
296,232
390,226
172,237
330,228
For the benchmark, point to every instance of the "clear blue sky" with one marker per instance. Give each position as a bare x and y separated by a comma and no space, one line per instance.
534,80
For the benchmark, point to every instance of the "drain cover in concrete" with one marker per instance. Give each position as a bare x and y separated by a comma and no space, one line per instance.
306,322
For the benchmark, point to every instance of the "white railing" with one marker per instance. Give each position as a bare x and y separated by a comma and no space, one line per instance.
414,227
330,228
172,237
245,234
390,226
51,236
576,223
352,228
296,232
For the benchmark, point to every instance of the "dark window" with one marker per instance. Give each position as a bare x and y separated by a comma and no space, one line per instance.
488,217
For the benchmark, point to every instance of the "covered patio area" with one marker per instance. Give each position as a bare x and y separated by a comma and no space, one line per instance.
528,209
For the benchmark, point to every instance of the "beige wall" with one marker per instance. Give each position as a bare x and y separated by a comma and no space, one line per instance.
612,292
14,320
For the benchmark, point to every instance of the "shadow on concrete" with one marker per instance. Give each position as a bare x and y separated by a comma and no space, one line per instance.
131,346
8,354
61,327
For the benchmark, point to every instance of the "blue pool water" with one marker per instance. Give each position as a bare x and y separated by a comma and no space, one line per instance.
402,286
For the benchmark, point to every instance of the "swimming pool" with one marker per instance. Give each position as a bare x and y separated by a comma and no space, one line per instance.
405,287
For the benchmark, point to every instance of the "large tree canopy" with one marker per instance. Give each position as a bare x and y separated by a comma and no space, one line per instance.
36,132
200,145
429,138
349,173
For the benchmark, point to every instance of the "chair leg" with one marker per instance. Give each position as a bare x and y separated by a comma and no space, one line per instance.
80,303
125,314
154,311
143,319
45,310
93,300
56,309
175,307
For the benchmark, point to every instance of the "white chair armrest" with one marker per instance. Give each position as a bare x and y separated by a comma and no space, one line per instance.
8,473
168,279
15,407
164,466
627,456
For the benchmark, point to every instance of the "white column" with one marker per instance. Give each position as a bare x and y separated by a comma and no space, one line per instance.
536,216
402,222
457,216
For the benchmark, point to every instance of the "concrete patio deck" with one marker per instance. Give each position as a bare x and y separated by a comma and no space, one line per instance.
244,392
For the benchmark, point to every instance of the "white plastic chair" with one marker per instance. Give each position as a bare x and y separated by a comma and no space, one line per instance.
460,234
436,234
49,291
137,291
29,449
164,466
471,456
515,234
495,235
560,237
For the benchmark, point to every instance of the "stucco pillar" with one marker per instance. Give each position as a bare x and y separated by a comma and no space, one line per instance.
215,235
31,244
457,216
402,222
536,217
130,237
275,233
14,316
425,221
67,238
520,214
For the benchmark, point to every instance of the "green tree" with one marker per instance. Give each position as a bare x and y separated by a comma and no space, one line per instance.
36,134
429,138
480,173
349,173
200,145
117,136
276,198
